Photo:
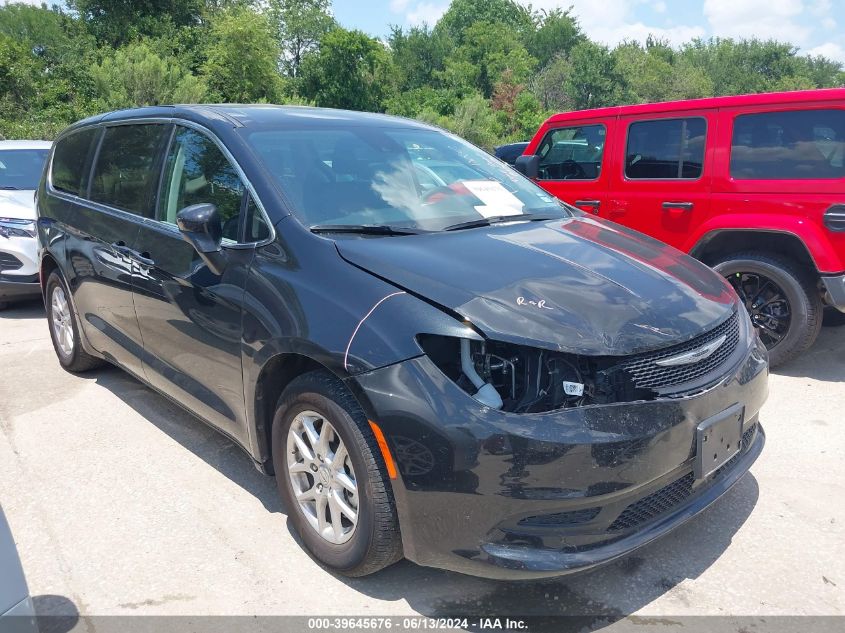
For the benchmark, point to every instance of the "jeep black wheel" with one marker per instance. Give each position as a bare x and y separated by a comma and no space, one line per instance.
782,300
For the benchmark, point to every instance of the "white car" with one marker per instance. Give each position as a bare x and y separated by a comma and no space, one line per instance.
21,164
17,612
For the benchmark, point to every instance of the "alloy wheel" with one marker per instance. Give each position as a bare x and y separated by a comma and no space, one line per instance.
766,303
60,320
322,477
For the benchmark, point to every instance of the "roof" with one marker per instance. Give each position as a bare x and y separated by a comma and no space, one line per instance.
25,145
257,115
769,98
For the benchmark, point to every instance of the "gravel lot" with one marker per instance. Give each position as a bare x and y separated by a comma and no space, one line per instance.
123,504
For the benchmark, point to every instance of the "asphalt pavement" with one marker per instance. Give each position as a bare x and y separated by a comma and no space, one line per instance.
121,503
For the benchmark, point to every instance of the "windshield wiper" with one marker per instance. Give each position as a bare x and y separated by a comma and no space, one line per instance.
364,229
497,219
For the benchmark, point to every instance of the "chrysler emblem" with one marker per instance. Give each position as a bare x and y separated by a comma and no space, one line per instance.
693,356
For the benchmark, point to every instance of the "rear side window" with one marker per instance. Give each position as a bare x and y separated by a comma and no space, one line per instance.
125,174
70,159
799,144
572,153
666,149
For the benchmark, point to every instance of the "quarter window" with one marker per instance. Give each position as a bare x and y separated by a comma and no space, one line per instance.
572,153
666,149
798,144
70,158
125,174
197,172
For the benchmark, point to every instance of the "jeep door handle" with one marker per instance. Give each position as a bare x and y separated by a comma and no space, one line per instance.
142,258
593,204
680,206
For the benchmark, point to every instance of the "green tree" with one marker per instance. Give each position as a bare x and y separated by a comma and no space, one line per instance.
241,58
349,70
549,85
300,24
462,14
115,22
592,81
487,52
418,54
136,76
557,34
45,61
473,120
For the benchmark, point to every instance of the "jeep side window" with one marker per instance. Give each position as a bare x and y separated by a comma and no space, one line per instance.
666,149
572,153
798,144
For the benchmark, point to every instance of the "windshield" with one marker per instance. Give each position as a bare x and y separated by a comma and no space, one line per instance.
397,177
21,168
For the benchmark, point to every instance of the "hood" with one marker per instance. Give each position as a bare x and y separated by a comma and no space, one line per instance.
17,204
578,285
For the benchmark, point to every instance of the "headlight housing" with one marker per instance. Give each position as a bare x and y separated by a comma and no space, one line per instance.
14,227
528,379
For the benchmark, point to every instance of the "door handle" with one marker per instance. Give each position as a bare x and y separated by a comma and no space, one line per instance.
142,258
680,206
593,204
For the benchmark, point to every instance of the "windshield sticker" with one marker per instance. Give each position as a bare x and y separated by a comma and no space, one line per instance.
497,200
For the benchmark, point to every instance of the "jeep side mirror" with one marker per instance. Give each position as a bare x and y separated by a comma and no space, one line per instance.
201,227
528,164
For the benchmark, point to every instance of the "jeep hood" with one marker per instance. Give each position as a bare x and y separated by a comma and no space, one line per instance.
579,285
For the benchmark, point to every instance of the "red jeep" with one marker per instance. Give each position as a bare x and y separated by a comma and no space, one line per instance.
753,185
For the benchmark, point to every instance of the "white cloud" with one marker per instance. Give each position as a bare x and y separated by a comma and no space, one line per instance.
398,6
35,3
659,7
426,13
613,21
764,19
830,50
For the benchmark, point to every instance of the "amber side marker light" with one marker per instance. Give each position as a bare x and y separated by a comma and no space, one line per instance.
385,450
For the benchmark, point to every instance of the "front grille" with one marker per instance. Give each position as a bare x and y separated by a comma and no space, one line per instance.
646,374
561,519
9,262
673,494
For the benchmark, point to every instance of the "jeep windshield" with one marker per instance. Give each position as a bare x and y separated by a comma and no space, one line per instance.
396,178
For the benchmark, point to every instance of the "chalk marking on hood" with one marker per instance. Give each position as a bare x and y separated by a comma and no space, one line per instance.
361,322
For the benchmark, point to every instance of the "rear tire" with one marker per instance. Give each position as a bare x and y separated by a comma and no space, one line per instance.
782,299
62,322
311,404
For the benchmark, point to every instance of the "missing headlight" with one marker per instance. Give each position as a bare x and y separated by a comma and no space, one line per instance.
532,380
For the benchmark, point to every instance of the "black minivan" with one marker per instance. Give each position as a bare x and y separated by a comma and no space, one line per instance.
436,359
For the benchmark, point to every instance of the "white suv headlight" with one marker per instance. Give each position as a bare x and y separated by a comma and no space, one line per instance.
13,227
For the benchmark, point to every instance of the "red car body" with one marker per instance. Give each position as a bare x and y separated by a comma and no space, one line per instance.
771,184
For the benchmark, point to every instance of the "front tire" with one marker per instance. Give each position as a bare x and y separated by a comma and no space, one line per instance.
782,299
330,475
61,320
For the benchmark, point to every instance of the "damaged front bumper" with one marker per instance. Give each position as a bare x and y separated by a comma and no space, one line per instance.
507,495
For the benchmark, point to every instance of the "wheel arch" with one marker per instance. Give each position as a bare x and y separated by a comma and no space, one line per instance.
275,375
720,242
48,265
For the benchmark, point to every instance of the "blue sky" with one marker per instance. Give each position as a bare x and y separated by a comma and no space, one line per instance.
816,26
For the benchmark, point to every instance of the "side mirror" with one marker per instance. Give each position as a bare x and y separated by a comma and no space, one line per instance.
528,164
201,227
